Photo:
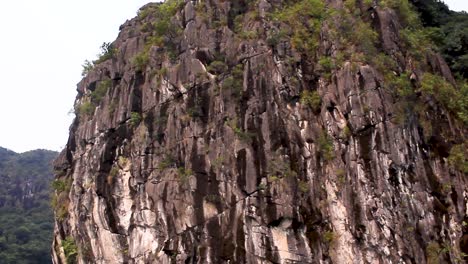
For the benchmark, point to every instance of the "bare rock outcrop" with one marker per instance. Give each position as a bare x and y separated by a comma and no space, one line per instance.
228,132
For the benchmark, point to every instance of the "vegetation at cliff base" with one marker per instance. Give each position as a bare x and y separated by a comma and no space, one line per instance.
26,218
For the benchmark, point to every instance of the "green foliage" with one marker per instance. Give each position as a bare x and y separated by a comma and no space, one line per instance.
346,132
235,81
123,161
70,249
273,40
311,99
61,210
456,100
305,27
61,185
217,67
248,34
401,84
242,135
86,109
87,67
278,168
325,146
164,34
366,37
462,101
184,174
107,52
167,162
404,9
454,44
326,64
26,221
447,29
416,41
458,157
101,90
303,186
329,237
141,60
135,118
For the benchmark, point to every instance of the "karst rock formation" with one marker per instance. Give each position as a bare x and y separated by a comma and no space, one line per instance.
268,131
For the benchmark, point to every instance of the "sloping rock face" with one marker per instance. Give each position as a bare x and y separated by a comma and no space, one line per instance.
262,132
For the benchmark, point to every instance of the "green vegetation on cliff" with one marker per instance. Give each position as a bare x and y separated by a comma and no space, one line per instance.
26,219
449,30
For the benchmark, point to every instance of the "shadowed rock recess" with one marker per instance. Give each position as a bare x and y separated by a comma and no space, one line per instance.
264,131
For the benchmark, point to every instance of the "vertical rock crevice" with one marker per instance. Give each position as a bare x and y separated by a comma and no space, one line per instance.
233,133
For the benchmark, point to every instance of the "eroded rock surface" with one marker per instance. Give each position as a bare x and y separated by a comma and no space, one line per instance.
186,161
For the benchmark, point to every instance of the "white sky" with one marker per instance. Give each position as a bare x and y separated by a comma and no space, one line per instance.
42,47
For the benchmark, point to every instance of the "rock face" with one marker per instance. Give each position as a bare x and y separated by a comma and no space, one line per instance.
232,132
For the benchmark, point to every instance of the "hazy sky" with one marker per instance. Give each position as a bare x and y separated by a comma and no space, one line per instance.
43,45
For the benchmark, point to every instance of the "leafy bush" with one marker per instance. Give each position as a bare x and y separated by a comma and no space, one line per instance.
325,146
86,109
235,81
167,162
101,90
165,32
404,9
453,99
107,52
184,174
416,41
401,84
279,168
61,211
309,15
70,249
217,67
329,237
58,185
326,64
87,67
141,60
459,157
311,99
366,37
135,118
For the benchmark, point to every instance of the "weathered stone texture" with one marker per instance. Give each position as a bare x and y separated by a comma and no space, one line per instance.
216,175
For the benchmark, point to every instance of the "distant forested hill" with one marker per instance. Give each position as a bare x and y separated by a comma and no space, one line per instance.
26,218
449,31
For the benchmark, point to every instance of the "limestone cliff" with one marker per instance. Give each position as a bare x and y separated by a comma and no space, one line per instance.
266,131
